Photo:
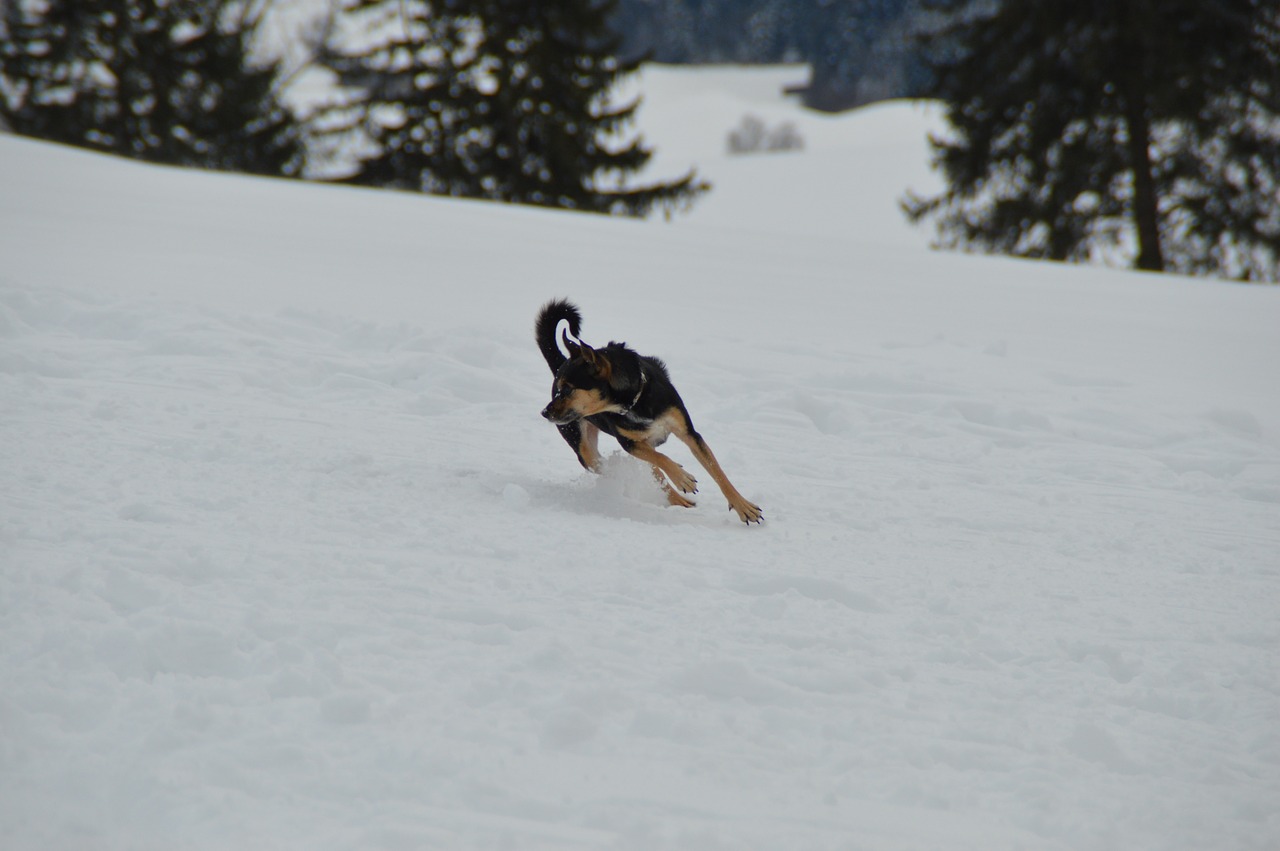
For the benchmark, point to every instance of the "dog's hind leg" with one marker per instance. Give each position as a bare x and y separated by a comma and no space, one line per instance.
673,496
678,475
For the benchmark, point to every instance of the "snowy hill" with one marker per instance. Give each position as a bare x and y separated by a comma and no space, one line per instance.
288,558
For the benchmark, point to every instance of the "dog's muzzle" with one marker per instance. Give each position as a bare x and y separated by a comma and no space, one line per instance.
558,417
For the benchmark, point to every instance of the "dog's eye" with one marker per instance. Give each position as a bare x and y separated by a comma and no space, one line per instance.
562,389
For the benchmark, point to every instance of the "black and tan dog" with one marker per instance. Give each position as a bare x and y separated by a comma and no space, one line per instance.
630,396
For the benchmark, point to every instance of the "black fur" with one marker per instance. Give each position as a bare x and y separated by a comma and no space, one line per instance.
629,371
629,396
549,318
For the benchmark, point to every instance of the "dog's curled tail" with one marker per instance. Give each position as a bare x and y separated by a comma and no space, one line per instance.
545,329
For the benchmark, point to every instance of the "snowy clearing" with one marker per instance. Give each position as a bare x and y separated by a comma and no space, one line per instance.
288,558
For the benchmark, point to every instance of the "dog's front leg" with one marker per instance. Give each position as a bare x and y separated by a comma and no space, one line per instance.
747,511
587,446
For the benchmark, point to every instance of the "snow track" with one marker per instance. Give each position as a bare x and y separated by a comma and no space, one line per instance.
306,579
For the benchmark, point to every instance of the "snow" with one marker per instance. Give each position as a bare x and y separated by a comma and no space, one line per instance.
288,558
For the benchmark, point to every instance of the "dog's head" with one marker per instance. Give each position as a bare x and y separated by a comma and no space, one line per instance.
584,385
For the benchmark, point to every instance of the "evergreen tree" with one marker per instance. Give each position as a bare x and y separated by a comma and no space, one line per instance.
228,115
556,140
168,82
1079,128
501,99
411,94
46,84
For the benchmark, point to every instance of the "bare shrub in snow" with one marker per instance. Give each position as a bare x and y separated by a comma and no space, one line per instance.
753,136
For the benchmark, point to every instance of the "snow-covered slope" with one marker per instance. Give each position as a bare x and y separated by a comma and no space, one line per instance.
289,560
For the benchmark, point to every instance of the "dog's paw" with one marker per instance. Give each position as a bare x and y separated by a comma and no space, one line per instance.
676,499
685,482
748,512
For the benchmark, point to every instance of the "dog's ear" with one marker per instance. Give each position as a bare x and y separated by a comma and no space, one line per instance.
569,345
598,362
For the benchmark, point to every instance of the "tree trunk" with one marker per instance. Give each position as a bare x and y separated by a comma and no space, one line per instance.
1145,213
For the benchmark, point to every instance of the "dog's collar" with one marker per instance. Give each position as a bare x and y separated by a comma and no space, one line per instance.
644,382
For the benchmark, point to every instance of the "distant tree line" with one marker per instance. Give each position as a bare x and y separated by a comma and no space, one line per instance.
1138,131
498,99
1133,129
859,51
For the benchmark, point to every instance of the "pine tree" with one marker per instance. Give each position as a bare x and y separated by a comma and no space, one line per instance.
504,100
46,79
1078,129
556,138
168,82
227,114
412,97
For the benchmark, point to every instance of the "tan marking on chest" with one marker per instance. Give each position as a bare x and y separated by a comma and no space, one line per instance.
671,422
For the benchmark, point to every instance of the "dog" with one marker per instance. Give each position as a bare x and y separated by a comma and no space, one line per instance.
630,396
